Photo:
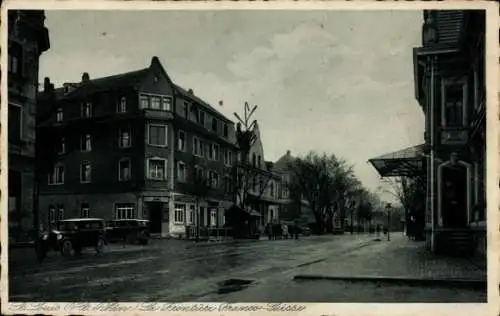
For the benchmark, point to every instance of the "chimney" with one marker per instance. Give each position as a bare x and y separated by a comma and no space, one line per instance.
85,77
190,91
46,84
155,60
288,153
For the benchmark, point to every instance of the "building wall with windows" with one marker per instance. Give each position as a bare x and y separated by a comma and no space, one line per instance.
112,148
450,87
27,40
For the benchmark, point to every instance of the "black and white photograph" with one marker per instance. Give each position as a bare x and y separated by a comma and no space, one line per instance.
241,154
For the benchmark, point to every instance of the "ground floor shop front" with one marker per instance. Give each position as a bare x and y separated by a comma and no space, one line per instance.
170,214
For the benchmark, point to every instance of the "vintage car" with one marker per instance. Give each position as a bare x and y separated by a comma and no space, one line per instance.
128,230
72,235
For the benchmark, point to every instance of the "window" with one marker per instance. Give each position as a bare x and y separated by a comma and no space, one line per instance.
57,175
15,58
259,162
453,107
199,172
85,210
179,211
181,171
86,142
215,149
157,135
213,217
59,115
191,215
181,141
157,169
214,124
226,130
228,157
254,160
197,147
124,211
193,113
166,104
228,184
15,124
51,216
155,103
124,139
85,172
60,212
122,105
87,110
271,189
124,169
214,179
144,102
213,152
185,109
62,146
202,118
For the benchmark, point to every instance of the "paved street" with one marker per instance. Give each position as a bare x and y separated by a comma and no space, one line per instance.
165,270
172,270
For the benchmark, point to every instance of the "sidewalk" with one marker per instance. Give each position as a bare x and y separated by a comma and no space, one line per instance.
398,260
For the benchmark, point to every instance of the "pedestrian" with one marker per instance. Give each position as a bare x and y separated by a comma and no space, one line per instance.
285,231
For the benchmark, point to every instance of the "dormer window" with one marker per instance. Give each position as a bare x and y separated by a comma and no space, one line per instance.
454,103
87,110
59,115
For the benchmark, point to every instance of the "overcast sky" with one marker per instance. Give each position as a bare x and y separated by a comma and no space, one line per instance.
332,81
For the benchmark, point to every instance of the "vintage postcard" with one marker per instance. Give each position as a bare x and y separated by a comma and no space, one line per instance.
235,158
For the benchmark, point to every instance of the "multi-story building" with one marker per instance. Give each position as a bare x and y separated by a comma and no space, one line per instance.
257,189
292,207
27,39
449,72
134,145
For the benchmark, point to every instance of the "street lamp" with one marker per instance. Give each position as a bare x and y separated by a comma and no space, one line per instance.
388,207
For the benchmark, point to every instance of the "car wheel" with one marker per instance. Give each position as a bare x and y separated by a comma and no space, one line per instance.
101,243
66,247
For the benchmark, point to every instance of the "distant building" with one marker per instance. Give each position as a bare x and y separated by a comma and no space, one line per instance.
27,39
135,145
262,187
292,207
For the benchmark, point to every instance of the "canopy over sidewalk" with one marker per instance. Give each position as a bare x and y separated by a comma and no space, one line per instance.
406,162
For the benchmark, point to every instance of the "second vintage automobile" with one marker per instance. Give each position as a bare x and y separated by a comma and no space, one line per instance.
128,230
72,235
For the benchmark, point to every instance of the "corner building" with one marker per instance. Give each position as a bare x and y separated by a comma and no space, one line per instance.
124,146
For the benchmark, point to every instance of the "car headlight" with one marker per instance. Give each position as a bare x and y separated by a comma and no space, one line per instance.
59,237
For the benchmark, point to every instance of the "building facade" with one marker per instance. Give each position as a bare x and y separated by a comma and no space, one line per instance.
450,87
292,208
449,78
129,146
27,39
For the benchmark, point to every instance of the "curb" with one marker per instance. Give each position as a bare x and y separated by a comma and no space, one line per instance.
474,283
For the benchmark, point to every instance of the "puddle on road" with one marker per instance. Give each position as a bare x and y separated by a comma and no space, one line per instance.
233,285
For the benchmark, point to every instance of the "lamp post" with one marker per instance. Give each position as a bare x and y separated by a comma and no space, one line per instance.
388,207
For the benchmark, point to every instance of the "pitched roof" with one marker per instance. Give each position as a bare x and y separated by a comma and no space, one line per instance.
283,163
190,96
128,79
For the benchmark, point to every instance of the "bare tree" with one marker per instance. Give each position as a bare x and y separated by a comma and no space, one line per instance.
325,181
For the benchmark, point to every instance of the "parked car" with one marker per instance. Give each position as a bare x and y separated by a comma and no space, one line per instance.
128,230
74,235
